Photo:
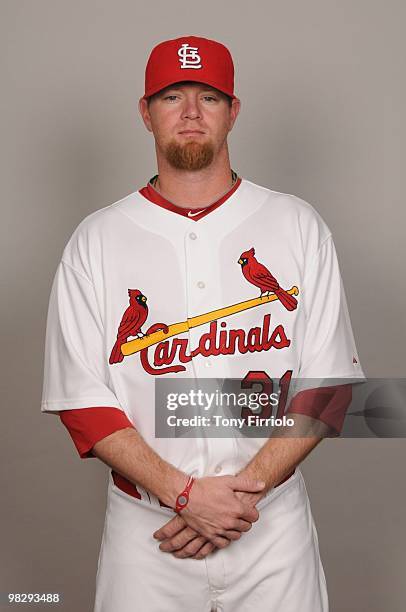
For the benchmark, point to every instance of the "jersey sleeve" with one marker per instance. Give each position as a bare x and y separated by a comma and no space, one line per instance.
328,349
87,426
328,405
75,368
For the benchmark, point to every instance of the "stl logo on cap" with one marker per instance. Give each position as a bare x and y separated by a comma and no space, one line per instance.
180,59
189,57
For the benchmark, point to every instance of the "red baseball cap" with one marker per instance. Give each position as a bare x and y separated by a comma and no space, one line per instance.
189,58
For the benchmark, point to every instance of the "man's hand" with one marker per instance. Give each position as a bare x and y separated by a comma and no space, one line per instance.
184,541
215,512
250,499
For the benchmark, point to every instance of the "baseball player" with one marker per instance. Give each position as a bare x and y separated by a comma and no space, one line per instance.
200,274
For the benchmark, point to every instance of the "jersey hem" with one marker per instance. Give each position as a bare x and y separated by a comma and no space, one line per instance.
357,375
78,403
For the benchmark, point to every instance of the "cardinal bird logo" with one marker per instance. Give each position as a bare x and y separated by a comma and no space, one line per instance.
133,319
257,274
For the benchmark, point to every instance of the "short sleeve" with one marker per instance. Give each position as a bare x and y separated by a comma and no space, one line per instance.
328,349
326,404
75,372
90,425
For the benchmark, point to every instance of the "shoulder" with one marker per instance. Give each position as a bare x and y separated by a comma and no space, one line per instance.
86,241
290,211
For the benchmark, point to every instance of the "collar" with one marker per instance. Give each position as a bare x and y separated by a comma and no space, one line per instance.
194,214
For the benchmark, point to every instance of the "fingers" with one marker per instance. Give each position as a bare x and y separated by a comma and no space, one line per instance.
249,514
187,543
179,535
242,525
191,548
250,499
233,531
244,483
170,529
220,542
232,534
180,540
205,550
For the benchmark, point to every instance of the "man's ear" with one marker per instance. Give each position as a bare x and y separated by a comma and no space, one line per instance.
234,110
144,112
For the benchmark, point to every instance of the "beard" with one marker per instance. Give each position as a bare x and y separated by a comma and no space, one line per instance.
189,156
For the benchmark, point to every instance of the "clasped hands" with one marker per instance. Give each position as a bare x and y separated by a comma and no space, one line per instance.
219,511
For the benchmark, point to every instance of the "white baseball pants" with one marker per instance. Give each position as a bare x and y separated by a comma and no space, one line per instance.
274,567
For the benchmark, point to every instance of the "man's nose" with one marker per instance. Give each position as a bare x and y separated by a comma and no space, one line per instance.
191,109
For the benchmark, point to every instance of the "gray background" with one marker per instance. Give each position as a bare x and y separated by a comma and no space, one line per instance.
322,117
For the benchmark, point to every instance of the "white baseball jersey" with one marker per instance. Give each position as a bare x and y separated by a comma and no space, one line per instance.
199,294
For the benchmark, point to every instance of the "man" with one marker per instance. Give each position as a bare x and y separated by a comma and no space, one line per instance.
200,274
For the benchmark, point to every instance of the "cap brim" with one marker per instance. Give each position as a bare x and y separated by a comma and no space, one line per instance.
160,86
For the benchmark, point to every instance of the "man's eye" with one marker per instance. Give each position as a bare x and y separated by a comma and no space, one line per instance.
210,98
171,97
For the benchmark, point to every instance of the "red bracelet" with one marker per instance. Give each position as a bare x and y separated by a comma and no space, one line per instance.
183,498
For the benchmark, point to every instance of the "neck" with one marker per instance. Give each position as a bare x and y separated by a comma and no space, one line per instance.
193,189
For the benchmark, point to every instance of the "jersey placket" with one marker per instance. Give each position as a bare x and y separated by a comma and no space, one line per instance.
203,295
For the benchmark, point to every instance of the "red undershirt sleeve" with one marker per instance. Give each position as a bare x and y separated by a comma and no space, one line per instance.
87,426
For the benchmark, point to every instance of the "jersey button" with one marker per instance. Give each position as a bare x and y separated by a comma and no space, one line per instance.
201,285
218,469
207,364
192,236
